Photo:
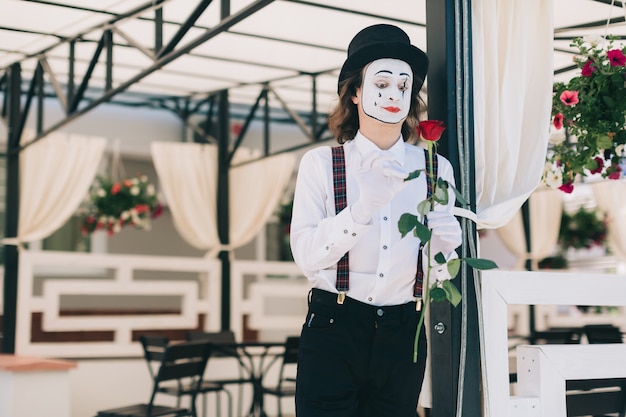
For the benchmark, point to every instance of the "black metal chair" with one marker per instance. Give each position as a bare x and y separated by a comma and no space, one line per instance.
183,364
224,342
286,385
154,348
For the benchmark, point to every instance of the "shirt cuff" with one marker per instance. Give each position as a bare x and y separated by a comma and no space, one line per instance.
346,231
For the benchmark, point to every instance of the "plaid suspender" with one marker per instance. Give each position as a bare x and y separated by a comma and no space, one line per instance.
430,186
339,185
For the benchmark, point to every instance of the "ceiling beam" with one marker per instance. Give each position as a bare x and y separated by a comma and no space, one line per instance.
166,59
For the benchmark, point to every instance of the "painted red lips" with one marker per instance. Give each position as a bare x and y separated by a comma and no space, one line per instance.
392,109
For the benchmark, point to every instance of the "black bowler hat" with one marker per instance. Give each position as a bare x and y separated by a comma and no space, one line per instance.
384,41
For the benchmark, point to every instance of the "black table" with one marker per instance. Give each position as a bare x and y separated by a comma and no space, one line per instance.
257,358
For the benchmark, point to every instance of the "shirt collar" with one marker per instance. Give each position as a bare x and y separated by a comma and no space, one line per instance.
366,146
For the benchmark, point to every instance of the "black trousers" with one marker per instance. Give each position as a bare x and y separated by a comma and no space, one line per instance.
356,360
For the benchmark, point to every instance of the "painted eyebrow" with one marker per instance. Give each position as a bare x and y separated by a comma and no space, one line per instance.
389,72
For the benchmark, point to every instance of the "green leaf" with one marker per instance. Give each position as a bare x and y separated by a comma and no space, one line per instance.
437,294
440,259
441,195
413,175
459,197
407,223
608,101
452,293
479,263
591,164
423,207
454,266
442,183
604,142
422,232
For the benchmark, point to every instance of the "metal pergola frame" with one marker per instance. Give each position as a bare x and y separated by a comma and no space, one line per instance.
447,101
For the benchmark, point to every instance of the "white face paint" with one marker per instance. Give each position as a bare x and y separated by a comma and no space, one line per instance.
386,91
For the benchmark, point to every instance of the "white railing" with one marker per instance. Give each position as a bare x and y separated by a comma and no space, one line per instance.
272,295
543,370
42,288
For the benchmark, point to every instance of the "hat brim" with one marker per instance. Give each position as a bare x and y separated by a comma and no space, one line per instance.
410,54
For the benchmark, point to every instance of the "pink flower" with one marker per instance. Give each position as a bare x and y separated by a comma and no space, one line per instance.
567,187
569,98
616,57
600,163
558,121
116,188
588,69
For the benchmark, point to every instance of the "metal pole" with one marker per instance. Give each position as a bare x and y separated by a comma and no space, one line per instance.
11,255
454,331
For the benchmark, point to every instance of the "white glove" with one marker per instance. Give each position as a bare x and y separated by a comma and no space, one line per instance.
379,181
446,232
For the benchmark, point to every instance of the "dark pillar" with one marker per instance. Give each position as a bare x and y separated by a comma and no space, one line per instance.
456,381
223,196
11,255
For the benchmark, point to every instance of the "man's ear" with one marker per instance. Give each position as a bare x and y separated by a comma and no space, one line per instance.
355,99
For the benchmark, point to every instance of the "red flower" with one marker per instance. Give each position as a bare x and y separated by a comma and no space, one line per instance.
614,171
616,57
567,187
116,188
158,210
430,130
569,98
600,163
128,184
558,121
588,69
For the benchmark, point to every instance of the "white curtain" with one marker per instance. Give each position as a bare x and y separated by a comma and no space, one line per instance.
188,176
55,175
545,209
610,196
512,69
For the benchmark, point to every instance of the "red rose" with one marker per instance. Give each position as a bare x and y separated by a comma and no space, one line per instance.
569,98
616,57
128,184
558,121
430,130
116,188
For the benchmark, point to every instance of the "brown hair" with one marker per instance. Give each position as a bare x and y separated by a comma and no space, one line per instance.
343,120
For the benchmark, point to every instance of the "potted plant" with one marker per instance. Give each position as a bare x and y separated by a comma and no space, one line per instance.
589,116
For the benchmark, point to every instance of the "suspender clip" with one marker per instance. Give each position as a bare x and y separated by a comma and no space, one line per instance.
341,297
418,304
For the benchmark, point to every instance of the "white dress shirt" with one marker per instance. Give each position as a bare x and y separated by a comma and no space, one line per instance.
382,263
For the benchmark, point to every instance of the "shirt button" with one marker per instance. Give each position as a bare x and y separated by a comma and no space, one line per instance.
353,234
327,248
385,218
380,312
381,275
369,298
346,231
384,246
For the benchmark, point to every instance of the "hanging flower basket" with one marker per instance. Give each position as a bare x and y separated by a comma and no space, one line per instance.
589,116
115,204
